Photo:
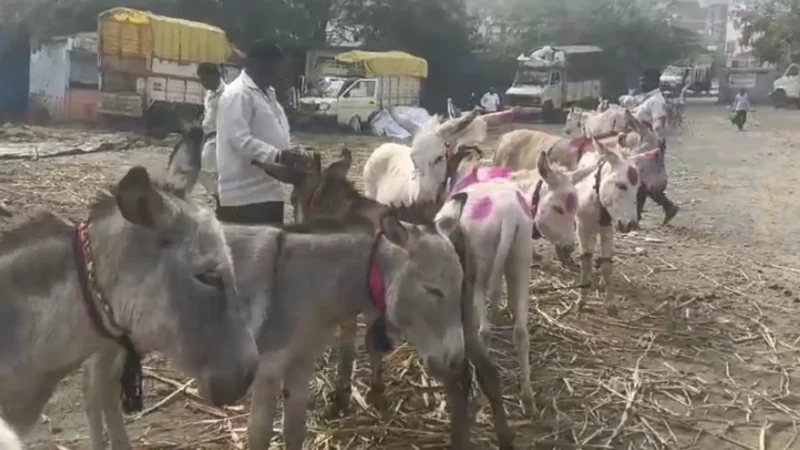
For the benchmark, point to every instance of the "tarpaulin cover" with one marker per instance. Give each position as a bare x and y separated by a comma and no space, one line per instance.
130,33
378,64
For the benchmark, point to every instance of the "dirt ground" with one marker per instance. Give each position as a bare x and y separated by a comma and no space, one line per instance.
698,351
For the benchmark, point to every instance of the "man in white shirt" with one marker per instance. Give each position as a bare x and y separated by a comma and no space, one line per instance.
211,79
490,101
654,112
251,128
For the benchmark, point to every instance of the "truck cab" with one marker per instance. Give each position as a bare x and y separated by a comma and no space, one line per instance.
550,80
786,89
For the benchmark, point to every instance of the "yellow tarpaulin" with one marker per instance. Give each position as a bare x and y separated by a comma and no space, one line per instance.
131,33
378,64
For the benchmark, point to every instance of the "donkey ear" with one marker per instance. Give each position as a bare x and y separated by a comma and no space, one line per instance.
605,152
184,163
282,173
448,217
578,175
140,203
622,139
394,231
340,168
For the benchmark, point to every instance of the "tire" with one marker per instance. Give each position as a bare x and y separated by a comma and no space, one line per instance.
779,98
548,112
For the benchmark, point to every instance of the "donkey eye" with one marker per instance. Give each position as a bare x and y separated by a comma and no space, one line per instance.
558,209
211,279
622,186
434,291
438,159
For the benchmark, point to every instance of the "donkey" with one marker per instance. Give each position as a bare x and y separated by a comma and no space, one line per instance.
606,200
503,214
8,438
397,174
151,272
587,122
328,193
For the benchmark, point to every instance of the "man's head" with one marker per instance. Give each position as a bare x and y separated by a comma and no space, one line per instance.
743,91
491,89
265,63
209,75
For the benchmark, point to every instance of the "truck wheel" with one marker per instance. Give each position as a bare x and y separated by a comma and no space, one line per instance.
779,99
355,124
548,112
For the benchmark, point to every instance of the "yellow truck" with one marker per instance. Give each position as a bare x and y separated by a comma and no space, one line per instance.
148,64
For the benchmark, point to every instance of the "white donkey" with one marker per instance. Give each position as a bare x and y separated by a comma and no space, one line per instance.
503,211
8,438
599,124
396,174
605,201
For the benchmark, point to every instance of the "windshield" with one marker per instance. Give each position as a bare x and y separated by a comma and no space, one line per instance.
328,87
673,71
532,78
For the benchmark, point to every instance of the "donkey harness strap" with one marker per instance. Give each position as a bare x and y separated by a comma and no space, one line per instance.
377,287
535,207
91,294
605,217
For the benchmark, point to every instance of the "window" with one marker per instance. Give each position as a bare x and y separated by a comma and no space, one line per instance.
362,89
555,78
794,70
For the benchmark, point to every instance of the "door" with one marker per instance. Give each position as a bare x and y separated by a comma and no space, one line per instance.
792,83
359,100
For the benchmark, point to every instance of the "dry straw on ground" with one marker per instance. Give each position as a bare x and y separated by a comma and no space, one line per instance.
672,363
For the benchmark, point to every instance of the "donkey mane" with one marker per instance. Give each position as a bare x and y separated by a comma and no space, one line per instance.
42,226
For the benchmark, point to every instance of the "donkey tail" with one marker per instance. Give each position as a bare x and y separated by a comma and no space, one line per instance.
508,232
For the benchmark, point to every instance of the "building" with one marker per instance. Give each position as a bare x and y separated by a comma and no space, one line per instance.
707,18
737,55
64,79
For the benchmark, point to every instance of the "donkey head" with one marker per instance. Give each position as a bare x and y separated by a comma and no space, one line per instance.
558,204
424,294
575,121
617,182
165,265
433,142
639,133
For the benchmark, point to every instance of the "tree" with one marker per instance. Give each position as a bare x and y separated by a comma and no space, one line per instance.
772,29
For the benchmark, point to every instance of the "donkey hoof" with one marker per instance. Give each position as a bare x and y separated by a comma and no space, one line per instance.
375,398
529,405
340,407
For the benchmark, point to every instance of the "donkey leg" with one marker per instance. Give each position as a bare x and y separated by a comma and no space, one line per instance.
376,389
518,276
605,261
295,402
101,391
340,403
489,380
641,199
264,402
587,240
479,301
457,387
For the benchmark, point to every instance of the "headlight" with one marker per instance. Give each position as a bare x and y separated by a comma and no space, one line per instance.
324,106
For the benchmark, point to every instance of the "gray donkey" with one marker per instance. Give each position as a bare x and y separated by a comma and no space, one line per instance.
422,303
147,271
328,193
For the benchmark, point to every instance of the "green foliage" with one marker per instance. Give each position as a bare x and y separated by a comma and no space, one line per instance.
468,46
772,29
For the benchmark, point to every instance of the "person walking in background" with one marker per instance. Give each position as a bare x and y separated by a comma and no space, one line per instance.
741,105
211,79
252,128
490,101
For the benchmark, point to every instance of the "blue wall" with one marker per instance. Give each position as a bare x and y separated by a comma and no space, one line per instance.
15,62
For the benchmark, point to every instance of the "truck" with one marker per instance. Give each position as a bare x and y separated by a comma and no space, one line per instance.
148,66
552,79
675,77
351,91
786,89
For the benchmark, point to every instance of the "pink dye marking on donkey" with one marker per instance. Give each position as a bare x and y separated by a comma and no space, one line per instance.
481,174
482,210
